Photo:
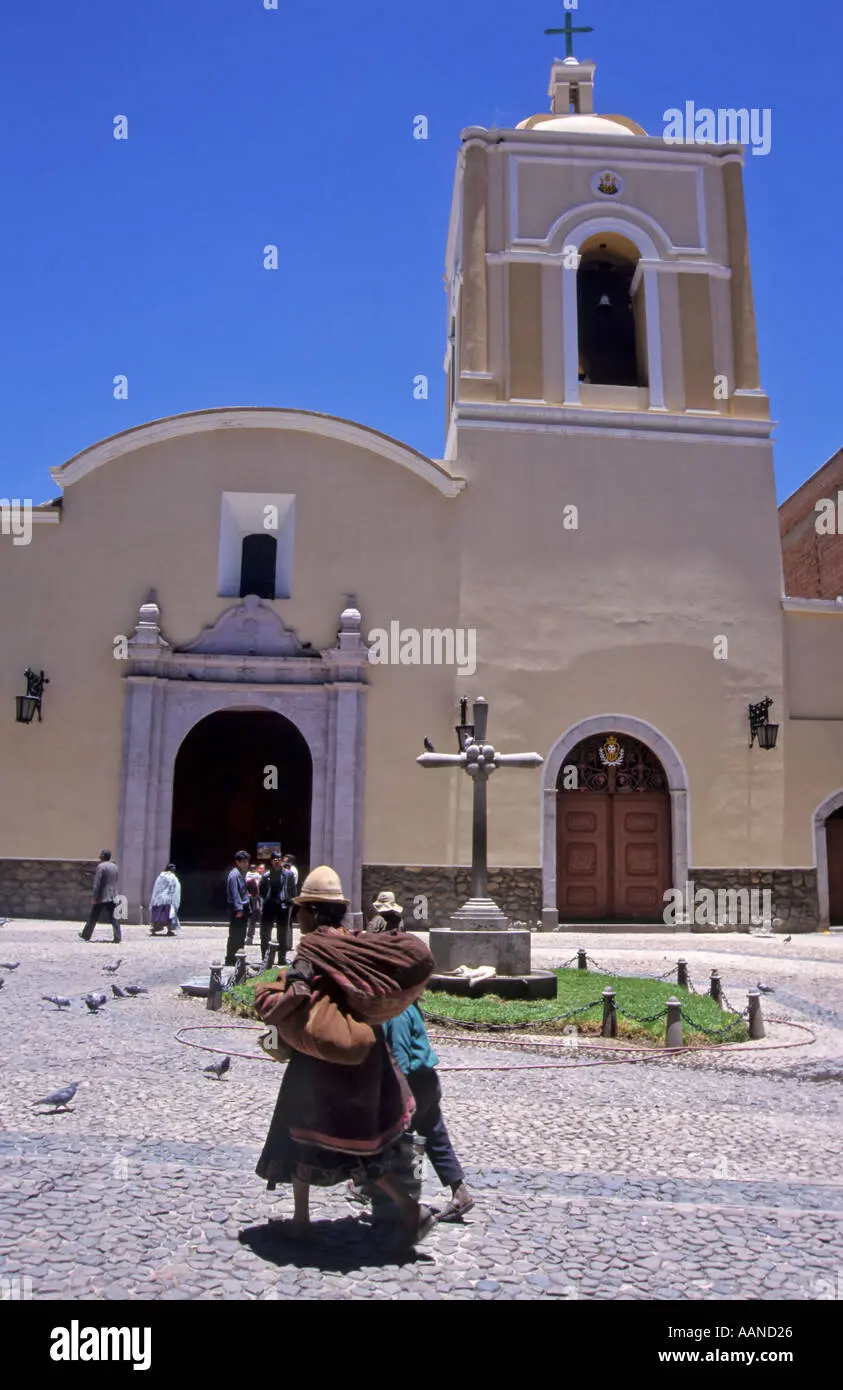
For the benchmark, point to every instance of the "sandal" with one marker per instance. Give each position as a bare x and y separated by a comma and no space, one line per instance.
457,1208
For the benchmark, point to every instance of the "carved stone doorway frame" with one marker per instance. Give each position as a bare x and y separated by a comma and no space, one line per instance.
677,779
247,660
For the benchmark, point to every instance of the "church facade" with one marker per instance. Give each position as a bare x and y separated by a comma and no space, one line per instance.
251,618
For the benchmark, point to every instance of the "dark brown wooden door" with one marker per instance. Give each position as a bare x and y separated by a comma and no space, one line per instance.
613,856
582,856
834,848
641,855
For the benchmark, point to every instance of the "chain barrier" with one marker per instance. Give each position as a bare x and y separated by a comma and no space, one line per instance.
601,970
640,1018
710,1032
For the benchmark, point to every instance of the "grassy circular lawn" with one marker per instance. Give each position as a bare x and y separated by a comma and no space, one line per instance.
577,988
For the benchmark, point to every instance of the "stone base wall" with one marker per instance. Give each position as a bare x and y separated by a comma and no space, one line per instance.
793,896
430,893
58,889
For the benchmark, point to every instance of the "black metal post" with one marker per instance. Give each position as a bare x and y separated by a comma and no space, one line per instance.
682,973
716,988
215,985
673,1032
756,1021
582,961
610,1016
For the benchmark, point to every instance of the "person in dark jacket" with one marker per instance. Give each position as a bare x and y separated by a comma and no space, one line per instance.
239,902
104,898
277,889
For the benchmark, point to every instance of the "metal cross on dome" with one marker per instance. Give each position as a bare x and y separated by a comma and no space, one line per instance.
569,32
479,759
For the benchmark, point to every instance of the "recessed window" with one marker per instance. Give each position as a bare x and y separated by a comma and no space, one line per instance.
256,544
257,566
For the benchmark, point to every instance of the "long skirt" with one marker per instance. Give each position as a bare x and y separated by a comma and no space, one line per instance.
333,1122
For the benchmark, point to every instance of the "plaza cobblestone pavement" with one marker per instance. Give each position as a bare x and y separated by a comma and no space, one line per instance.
716,1176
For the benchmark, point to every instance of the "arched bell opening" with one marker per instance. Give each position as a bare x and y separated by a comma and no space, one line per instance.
611,318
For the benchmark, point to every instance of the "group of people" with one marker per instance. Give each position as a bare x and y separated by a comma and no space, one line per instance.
340,1118
260,898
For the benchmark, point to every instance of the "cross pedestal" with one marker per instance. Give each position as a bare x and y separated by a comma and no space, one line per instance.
480,932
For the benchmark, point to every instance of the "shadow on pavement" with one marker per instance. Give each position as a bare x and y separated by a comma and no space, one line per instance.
334,1246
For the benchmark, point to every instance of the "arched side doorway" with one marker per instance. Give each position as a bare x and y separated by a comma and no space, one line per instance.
242,778
246,661
828,856
612,847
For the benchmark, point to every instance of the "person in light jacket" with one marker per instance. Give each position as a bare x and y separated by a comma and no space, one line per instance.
164,903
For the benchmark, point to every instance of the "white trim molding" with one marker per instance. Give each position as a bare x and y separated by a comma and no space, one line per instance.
259,418
677,780
613,424
813,605
824,810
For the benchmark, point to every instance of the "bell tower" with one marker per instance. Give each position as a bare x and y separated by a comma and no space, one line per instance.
596,272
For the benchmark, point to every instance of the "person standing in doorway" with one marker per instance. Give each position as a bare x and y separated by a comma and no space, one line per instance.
277,893
104,898
290,866
253,879
237,897
164,903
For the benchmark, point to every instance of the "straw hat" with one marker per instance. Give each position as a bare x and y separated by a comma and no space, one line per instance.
322,885
385,902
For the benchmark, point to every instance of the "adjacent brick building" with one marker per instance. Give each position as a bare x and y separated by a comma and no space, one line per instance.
813,563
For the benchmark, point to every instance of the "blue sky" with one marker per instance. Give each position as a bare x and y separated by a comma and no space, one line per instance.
293,126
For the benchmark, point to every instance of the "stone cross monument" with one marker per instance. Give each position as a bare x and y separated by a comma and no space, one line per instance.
480,932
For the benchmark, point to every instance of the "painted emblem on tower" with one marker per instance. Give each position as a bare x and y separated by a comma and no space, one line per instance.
607,183
611,753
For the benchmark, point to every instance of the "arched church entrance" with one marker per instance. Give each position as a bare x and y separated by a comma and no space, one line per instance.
613,825
243,778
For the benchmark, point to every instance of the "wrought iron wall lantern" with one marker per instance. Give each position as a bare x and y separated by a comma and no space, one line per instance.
760,726
26,706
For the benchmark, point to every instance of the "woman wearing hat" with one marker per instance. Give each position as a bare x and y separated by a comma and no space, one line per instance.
388,913
334,1121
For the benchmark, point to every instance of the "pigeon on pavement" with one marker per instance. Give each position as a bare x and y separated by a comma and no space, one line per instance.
136,989
2,981
9,966
765,989
95,1001
787,938
112,969
60,1099
428,745
57,999
118,992
219,1068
